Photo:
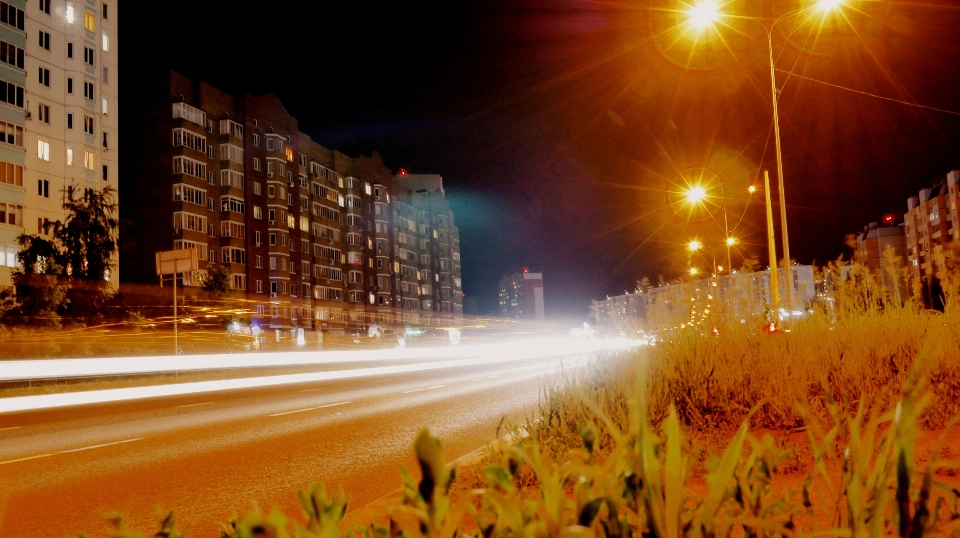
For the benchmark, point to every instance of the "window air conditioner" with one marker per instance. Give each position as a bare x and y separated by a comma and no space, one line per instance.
273,295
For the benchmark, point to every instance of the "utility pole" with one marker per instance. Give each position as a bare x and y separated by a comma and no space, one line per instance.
772,248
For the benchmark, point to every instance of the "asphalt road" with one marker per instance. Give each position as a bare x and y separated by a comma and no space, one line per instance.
210,456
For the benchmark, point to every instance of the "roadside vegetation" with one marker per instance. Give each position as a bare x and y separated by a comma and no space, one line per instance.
697,436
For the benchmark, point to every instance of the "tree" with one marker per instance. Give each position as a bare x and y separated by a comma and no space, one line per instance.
217,281
41,290
68,275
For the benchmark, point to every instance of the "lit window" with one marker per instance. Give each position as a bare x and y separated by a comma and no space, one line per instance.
43,150
88,160
106,43
89,21
69,156
70,14
105,107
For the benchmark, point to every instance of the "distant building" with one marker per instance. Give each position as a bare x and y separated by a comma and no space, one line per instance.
310,237
930,224
872,244
521,296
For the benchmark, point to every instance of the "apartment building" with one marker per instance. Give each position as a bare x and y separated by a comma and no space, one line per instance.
309,236
521,296
930,225
58,115
872,245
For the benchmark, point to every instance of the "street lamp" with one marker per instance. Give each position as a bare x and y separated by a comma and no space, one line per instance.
700,16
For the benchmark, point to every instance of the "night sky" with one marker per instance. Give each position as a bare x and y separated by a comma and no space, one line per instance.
565,129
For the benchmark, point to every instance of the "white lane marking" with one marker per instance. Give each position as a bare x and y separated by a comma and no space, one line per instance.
485,378
307,409
311,390
418,390
9,428
25,459
100,446
196,404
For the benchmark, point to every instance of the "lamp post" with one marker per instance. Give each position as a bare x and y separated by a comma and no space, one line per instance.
696,195
702,15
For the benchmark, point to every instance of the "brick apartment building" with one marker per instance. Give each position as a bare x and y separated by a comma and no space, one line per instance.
58,112
931,224
308,235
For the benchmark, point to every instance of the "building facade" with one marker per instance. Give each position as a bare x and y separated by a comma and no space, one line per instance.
309,236
521,296
931,224
58,115
873,243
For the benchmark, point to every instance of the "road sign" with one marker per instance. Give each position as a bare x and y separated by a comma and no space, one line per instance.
171,262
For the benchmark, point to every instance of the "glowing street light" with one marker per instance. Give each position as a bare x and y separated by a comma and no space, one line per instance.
703,14
828,5
693,271
731,241
752,189
696,194
694,245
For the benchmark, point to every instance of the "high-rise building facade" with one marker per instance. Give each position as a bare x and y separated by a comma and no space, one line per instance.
58,115
931,224
309,236
521,296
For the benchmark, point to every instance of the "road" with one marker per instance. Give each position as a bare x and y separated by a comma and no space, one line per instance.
209,456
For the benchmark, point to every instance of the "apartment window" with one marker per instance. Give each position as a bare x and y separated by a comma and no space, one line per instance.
256,164
105,140
257,237
256,139
257,214
258,261
211,152
105,42
271,191
105,107
69,156
106,75
104,11
44,112
11,174
89,21
69,50
88,126
44,76
232,203
43,188
256,188
270,144
88,55
11,93
43,150
239,282
105,174
88,160
70,85
271,166
70,120
273,267
11,134
44,40
184,165
273,239
12,215
11,15
11,54
45,6
260,284
88,90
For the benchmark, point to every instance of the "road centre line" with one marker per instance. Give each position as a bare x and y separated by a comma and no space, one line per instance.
307,409
418,390
196,404
38,456
100,446
25,459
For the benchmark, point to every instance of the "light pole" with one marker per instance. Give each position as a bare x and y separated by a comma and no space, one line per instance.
696,195
702,15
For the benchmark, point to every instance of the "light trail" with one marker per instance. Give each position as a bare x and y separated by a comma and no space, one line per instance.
472,356
65,368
